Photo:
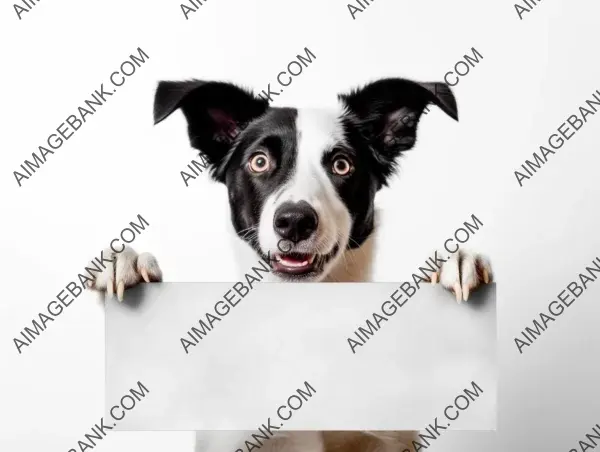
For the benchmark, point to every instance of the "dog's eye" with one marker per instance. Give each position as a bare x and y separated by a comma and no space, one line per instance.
342,166
259,162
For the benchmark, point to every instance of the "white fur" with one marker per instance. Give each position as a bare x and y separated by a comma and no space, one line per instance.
318,132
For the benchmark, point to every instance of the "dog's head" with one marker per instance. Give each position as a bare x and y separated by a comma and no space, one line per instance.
302,182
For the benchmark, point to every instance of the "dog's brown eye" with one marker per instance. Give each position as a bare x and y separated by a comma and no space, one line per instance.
342,166
259,163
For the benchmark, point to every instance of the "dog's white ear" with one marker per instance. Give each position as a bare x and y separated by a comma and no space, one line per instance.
216,112
387,111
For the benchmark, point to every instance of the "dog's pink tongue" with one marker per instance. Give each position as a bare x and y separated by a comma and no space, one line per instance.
294,259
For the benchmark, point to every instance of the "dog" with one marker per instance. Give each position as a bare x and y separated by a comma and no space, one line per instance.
309,178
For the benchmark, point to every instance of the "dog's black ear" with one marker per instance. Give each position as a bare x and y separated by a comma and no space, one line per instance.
387,112
216,112
169,95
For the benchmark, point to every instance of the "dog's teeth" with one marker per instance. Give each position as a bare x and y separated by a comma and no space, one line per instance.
311,259
295,264
292,263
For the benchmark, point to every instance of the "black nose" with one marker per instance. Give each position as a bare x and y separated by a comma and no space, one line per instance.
295,221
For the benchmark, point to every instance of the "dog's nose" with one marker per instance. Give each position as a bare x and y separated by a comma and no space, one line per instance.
295,221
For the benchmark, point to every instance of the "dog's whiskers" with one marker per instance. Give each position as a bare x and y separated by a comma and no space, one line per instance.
249,233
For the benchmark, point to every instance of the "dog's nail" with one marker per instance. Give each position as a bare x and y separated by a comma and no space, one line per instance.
120,290
145,275
486,276
458,293
465,293
434,278
109,289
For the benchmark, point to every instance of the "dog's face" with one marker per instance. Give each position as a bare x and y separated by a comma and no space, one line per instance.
302,183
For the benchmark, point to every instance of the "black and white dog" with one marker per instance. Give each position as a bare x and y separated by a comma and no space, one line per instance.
308,177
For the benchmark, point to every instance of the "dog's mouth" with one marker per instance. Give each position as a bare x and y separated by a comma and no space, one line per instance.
300,266
294,263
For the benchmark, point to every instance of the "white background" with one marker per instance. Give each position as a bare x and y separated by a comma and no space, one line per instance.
534,74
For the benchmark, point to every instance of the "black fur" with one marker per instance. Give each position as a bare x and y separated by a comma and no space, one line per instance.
383,116
216,113
274,132
380,123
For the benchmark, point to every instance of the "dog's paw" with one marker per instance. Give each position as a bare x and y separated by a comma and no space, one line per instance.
462,273
127,269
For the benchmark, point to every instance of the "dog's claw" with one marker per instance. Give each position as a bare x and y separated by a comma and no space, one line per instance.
120,290
462,273
127,270
486,276
465,291
458,293
109,289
